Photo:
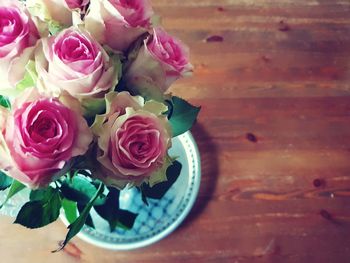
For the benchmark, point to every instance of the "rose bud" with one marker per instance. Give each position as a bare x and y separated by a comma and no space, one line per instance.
118,23
161,60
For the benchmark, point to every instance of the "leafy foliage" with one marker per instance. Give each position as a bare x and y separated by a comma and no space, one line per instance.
5,181
111,212
182,115
160,189
70,210
88,221
80,190
4,101
77,225
42,209
14,189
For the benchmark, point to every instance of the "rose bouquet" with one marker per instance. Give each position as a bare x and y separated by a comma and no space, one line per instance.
85,110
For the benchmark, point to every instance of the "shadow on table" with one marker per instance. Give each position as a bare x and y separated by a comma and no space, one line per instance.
209,169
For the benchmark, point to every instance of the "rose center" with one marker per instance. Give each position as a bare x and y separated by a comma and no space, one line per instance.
43,129
74,49
139,149
10,25
6,26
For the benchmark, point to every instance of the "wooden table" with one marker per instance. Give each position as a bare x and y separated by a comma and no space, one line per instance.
273,79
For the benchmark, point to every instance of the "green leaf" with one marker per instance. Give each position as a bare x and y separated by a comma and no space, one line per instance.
5,181
89,222
30,77
14,189
43,209
41,194
77,225
80,190
126,219
111,212
84,172
143,196
4,101
70,210
183,116
160,189
160,175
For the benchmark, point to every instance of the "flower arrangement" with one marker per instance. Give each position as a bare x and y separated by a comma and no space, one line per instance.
85,110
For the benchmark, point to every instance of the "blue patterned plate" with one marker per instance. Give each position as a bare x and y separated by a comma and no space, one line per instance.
161,217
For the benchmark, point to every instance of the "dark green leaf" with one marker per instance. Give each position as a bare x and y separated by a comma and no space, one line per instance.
5,181
70,210
42,210
160,189
143,196
84,172
14,189
183,116
76,226
80,190
41,194
111,212
126,219
4,101
88,221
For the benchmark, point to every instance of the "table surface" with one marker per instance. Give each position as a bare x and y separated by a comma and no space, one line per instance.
273,80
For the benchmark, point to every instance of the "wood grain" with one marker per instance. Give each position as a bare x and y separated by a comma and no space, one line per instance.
273,79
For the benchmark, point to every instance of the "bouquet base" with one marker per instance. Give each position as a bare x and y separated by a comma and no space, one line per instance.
160,217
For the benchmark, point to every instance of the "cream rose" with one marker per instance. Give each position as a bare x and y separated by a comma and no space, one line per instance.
133,138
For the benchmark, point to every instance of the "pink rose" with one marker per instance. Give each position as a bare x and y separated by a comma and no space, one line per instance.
42,135
118,23
74,62
18,35
161,60
132,141
77,4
